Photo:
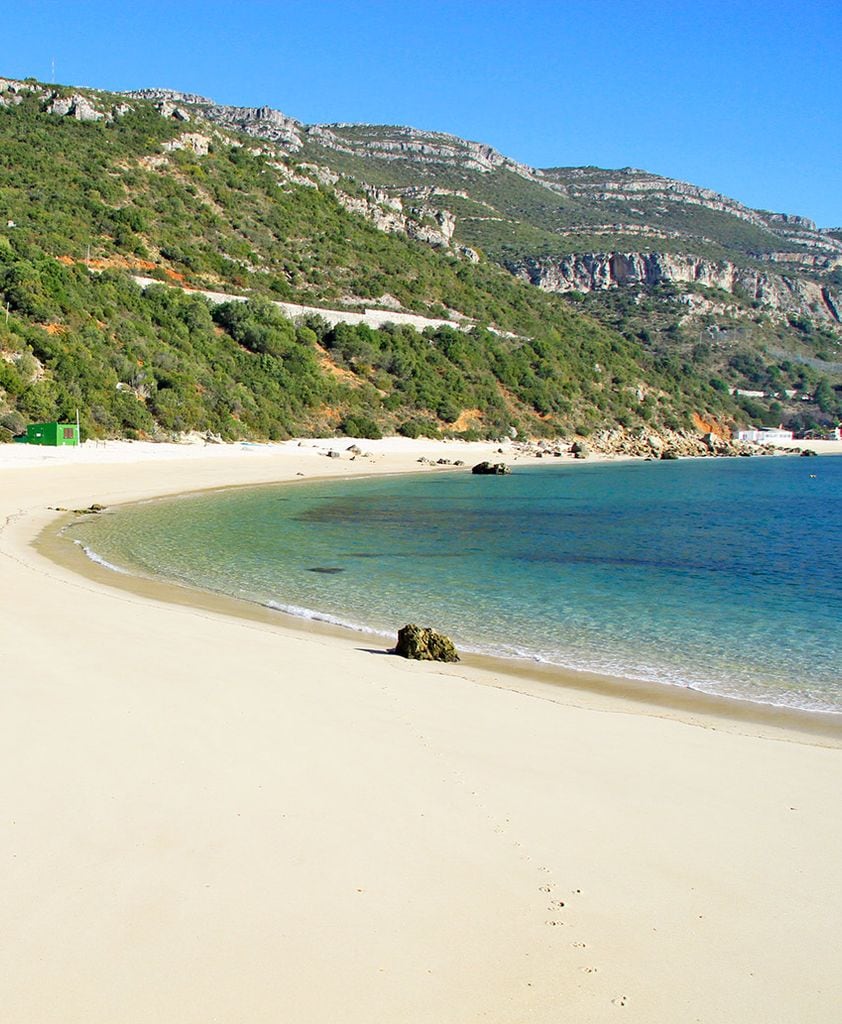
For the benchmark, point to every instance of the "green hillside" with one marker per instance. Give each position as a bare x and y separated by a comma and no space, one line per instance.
90,204
751,301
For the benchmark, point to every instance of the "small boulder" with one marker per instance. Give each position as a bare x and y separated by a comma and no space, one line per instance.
423,644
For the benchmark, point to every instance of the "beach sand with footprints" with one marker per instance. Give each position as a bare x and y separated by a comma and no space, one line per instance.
217,816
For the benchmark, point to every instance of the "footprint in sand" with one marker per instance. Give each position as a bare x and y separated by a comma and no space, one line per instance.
619,1001
554,924
579,945
545,888
588,970
555,905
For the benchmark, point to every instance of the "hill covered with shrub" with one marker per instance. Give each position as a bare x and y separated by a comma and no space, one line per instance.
100,193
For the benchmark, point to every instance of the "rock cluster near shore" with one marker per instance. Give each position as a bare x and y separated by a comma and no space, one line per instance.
668,444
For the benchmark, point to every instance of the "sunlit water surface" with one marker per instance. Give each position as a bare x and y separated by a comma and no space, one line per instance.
723,575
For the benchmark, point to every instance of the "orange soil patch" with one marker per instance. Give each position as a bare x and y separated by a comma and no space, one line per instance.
125,263
711,427
513,404
329,366
54,328
122,262
329,415
467,419
109,262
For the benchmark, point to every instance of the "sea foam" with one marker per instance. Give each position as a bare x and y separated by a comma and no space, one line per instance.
94,557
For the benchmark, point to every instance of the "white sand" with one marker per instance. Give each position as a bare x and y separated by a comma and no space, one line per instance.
210,819
819,447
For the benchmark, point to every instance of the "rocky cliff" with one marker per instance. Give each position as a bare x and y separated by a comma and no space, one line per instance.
588,272
457,193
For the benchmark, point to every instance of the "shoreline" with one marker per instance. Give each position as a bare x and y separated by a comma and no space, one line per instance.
210,816
690,705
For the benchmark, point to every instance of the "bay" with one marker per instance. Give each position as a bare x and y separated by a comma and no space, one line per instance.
722,575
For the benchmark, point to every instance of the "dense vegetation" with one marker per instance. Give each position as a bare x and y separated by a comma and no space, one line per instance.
90,204
793,367
508,215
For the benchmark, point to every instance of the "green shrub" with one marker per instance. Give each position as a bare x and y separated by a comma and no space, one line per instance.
419,428
360,426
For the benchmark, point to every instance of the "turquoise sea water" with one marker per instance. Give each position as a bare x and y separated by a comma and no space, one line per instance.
724,575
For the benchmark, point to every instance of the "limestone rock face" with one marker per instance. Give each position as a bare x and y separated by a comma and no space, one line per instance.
12,91
173,95
400,142
589,272
76,106
439,229
259,122
171,111
422,223
424,644
194,141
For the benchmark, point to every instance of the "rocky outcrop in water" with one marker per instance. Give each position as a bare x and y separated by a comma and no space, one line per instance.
490,469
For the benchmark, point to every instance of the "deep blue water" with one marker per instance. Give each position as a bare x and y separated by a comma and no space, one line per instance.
719,574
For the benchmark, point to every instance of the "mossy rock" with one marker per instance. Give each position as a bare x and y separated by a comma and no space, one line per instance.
423,644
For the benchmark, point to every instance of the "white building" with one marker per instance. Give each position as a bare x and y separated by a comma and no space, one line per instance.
764,435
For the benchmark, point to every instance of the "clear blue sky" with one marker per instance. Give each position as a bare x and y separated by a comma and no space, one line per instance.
741,97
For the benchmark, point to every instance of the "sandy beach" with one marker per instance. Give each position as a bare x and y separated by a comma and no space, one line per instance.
216,817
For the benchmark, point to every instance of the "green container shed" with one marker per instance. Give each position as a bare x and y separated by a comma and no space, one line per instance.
52,433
